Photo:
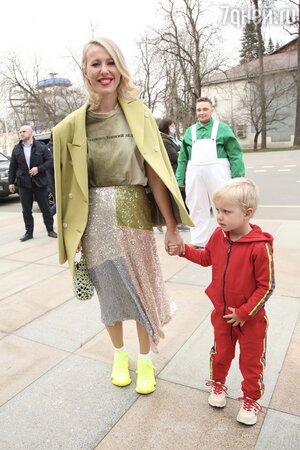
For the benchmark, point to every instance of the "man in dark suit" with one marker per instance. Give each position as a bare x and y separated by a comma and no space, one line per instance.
29,163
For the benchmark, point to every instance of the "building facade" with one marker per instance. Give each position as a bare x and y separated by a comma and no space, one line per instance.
236,97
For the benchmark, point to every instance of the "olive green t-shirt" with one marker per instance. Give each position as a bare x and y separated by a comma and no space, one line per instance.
113,157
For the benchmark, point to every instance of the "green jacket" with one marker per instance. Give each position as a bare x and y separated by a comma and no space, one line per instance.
227,147
71,174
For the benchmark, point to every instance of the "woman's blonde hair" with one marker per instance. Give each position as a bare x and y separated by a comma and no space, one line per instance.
242,190
126,89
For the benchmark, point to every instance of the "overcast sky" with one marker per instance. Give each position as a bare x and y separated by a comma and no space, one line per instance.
49,28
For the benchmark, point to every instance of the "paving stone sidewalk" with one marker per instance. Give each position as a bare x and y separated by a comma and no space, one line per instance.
55,359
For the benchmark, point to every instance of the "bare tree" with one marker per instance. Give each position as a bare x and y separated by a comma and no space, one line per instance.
186,48
149,75
188,43
263,112
32,102
278,96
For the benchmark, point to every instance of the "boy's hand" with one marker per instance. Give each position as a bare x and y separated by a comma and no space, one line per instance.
174,250
233,318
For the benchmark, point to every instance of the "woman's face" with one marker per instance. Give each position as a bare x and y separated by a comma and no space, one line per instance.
101,71
172,129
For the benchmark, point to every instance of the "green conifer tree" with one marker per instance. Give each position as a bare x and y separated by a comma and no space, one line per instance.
271,46
249,41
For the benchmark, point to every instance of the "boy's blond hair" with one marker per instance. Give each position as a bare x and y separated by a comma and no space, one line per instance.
242,190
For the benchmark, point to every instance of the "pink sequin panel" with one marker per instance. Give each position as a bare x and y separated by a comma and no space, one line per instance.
145,271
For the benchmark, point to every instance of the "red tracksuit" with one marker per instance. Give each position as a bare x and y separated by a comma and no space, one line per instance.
242,278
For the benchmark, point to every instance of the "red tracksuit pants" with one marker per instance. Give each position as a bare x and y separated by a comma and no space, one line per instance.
252,340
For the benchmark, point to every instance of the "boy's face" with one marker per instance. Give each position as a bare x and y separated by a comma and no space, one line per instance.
231,218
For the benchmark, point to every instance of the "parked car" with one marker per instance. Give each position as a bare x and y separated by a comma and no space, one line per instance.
44,137
4,166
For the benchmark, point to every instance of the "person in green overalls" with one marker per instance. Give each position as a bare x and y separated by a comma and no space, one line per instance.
209,156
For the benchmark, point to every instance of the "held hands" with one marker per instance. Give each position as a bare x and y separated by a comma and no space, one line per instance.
174,244
173,250
233,318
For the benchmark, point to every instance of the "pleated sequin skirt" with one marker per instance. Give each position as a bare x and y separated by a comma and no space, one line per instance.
122,259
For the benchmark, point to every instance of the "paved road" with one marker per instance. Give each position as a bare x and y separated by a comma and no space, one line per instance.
276,173
278,177
55,355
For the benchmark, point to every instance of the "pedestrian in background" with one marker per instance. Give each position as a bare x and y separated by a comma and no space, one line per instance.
167,130
29,163
105,154
241,256
209,156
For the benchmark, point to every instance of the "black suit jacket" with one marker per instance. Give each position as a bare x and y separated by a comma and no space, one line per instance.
40,157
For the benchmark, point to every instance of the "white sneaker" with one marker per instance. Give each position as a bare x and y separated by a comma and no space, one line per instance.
249,411
217,396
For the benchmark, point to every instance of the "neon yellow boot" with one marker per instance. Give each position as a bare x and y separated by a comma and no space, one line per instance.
145,382
120,373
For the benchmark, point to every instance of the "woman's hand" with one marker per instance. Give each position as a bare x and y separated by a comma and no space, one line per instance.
161,194
174,244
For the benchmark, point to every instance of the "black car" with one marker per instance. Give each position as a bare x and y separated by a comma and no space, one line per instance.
4,166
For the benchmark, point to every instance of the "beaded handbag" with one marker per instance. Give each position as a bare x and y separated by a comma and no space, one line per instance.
82,284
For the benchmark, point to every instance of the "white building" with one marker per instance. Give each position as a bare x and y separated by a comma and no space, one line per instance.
235,94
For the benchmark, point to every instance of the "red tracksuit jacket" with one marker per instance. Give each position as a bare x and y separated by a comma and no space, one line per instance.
242,271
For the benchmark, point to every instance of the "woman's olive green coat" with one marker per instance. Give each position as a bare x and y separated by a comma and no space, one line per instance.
71,176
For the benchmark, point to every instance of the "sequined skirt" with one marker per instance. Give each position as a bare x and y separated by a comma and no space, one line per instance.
122,259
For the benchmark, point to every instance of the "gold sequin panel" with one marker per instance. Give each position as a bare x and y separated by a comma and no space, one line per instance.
132,208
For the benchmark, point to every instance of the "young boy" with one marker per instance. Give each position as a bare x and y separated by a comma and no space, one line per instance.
242,281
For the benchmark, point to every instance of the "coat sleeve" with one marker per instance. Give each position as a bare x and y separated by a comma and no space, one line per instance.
57,149
183,158
48,160
172,152
12,171
234,153
264,273
164,170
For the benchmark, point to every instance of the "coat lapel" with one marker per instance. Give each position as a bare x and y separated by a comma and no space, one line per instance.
78,150
32,153
22,153
134,111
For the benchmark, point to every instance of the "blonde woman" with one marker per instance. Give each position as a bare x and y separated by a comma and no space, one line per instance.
105,154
